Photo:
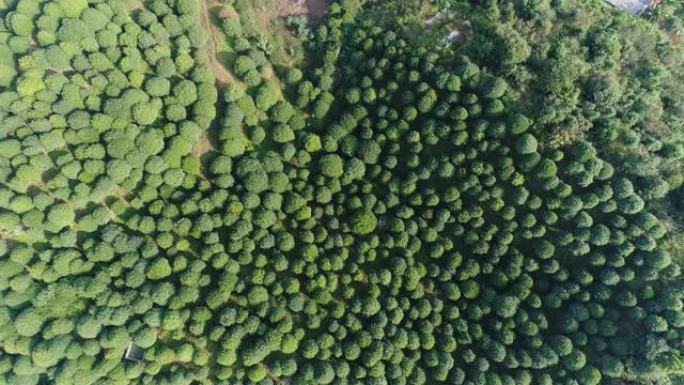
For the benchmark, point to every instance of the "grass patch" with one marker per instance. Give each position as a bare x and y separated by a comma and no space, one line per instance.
263,22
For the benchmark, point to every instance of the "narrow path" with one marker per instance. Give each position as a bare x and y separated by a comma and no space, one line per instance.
204,145
313,9
223,76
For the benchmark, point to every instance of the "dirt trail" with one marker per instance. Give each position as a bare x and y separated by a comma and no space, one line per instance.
222,74
314,9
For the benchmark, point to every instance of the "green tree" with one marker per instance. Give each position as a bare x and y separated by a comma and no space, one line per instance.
29,322
266,96
526,144
255,352
332,165
363,222
157,86
145,113
257,295
283,133
185,92
61,215
48,353
72,8
506,306
20,24
158,269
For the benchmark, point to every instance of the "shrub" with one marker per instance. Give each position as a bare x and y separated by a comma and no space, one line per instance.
158,269
283,134
61,215
332,165
145,113
266,96
157,86
21,24
72,8
526,144
28,322
185,92
363,222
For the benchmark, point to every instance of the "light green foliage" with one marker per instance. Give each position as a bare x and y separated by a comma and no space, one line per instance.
185,92
61,215
72,8
257,295
157,86
283,134
9,221
20,24
10,147
28,322
7,72
158,269
28,86
257,373
233,147
150,142
145,113
48,353
312,143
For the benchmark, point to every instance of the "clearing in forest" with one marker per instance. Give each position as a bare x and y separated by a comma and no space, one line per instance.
223,76
314,9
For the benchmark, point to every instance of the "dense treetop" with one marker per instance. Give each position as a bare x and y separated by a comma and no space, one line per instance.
397,208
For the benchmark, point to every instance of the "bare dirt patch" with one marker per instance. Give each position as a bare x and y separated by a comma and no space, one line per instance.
202,146
314,9
227,12
211,56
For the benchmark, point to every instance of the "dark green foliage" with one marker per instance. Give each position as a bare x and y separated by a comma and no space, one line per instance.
332,165
363,222
266,96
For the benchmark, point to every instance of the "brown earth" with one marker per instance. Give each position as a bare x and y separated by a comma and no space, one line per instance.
226,12
202,146
315,9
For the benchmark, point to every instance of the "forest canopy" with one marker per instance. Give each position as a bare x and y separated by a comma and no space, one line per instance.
388,193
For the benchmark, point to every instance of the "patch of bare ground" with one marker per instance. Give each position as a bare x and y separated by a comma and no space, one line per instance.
136,5
267,71
202,146
227,12
223,76
314,9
